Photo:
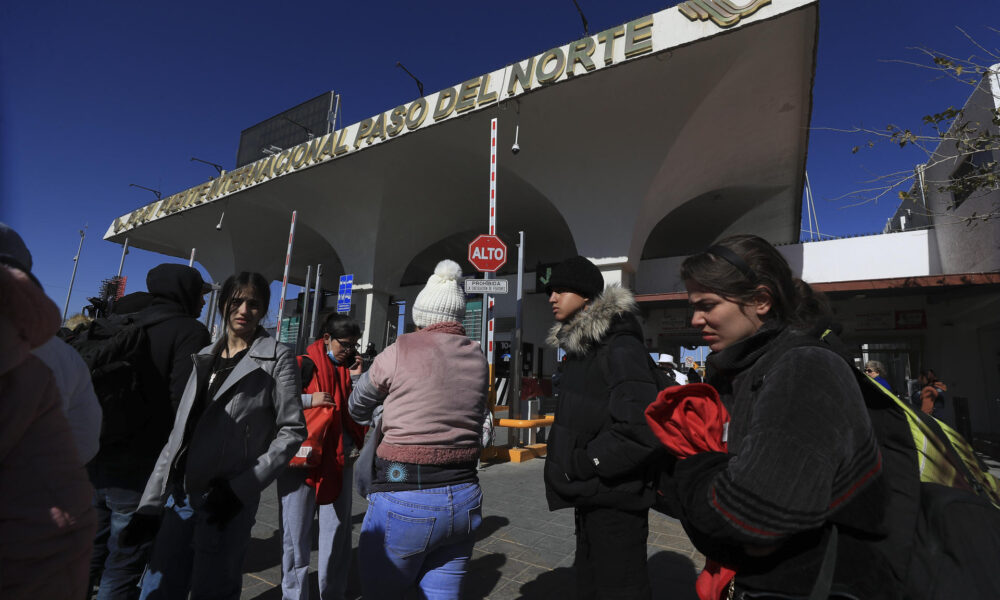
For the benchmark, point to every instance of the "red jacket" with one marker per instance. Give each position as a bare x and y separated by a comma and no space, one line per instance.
328,477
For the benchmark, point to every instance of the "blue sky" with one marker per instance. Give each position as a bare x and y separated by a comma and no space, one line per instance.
95,96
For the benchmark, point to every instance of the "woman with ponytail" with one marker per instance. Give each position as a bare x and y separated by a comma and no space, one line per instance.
794,505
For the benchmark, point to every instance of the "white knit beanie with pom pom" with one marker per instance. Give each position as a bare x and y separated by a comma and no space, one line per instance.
442,299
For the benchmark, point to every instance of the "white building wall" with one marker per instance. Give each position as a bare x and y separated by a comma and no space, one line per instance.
904,254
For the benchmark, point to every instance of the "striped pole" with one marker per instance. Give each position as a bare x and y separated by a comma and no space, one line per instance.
284,279
493,176
487,299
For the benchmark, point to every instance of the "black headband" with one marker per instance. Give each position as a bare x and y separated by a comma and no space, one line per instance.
732,258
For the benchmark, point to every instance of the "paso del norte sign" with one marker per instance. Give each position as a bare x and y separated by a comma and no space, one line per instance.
487,253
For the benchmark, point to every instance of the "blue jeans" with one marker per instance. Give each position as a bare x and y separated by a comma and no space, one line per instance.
190,554
117,570
419,538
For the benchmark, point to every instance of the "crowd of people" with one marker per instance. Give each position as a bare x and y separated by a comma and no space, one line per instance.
161,471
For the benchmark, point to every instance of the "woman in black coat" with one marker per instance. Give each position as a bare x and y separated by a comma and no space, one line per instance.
803,459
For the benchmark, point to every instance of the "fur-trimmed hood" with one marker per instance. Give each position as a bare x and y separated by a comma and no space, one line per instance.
593,322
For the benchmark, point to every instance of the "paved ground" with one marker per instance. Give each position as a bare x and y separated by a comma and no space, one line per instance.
523,551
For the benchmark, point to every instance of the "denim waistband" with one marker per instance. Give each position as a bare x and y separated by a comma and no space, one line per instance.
445,489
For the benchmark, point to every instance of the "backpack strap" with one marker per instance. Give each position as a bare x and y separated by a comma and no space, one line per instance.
307,370
824,579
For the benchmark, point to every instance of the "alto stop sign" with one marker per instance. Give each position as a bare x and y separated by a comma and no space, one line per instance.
487,253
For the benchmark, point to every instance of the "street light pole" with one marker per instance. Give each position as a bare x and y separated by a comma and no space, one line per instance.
211,164
121,265
76,263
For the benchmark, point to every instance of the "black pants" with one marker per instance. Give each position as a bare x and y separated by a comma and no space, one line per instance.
611,554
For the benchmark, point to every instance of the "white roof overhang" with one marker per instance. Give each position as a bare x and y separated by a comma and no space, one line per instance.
686,132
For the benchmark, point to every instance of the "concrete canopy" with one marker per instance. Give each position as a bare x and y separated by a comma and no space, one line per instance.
653,156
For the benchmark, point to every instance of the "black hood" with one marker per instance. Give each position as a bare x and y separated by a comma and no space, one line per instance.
179,284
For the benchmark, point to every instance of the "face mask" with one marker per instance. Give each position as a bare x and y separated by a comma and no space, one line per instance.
332,357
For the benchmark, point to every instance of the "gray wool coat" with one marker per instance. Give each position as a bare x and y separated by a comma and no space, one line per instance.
247,432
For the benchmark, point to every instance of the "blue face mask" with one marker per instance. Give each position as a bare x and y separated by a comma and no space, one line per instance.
332,357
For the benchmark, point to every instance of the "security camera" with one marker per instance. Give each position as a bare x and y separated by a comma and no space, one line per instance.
515,148
218,226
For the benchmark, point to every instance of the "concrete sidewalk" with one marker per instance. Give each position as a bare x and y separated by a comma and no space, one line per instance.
523,550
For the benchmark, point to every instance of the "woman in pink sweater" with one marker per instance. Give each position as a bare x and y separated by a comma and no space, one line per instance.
426,397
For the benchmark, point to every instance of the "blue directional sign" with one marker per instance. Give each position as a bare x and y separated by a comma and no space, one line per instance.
344,293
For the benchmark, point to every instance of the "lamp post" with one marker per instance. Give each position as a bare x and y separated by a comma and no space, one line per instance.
142,187
121,264
420,85
309,134
211,164
72,278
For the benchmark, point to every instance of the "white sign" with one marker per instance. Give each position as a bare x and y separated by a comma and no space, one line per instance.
485,286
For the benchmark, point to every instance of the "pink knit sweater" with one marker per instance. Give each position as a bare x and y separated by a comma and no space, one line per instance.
436,385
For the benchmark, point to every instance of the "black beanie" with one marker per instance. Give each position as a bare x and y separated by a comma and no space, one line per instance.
576,274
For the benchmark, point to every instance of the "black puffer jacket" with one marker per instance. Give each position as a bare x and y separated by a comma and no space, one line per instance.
600,448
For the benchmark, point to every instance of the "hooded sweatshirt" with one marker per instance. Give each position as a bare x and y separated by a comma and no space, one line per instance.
175,335
176,304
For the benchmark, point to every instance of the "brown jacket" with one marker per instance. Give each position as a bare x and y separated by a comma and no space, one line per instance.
47,521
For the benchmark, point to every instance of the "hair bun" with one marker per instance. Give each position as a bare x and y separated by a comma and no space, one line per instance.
448,270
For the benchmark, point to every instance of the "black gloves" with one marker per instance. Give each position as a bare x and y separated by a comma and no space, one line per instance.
141,528
220,502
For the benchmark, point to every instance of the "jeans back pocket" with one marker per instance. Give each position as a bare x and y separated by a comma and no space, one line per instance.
407,536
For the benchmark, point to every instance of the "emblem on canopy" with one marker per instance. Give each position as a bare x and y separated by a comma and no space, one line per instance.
725,13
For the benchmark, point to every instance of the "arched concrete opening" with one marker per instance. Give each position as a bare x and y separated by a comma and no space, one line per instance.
420,221
692,226
263,249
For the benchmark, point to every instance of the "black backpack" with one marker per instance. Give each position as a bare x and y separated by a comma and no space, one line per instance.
943,507
117,351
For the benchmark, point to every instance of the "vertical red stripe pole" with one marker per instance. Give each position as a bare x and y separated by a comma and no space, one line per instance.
284,279
488,300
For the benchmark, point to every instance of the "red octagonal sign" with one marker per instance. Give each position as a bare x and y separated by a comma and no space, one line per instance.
487,253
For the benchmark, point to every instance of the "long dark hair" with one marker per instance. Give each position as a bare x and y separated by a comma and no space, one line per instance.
736,267
235,283
340,326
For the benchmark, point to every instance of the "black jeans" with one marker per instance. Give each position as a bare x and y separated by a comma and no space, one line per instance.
611,554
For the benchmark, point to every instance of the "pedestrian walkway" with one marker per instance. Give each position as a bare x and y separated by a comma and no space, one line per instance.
523,550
